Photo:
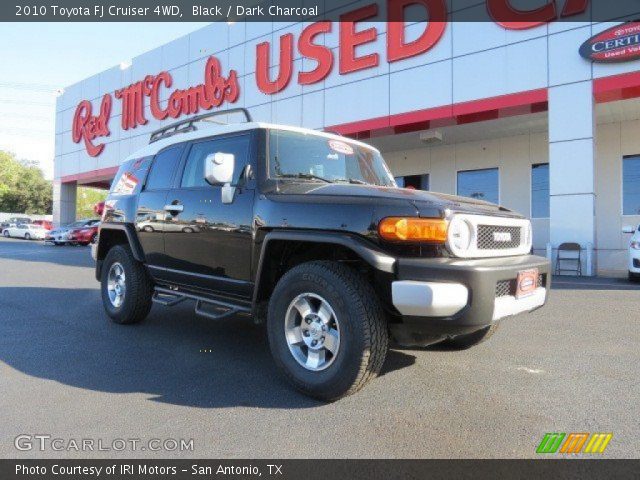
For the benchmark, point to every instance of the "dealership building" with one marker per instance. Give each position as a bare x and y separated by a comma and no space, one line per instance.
518,116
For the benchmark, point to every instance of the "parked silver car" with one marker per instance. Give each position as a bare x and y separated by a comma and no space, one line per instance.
60,235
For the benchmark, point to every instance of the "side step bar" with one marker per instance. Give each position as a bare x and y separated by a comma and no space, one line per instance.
169,298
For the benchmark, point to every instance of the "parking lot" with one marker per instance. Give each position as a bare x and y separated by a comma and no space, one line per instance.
66,371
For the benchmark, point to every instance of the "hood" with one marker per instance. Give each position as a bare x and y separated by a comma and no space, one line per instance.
420,199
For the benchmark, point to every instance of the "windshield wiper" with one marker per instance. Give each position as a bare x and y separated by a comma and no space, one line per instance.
352,180
306,176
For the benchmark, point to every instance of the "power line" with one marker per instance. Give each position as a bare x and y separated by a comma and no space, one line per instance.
26,102
33,87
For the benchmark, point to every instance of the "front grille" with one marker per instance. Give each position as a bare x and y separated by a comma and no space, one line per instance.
497,237
507,288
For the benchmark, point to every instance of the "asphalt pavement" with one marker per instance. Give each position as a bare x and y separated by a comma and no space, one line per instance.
67,372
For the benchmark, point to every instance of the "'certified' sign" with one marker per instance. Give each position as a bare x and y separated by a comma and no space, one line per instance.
617,44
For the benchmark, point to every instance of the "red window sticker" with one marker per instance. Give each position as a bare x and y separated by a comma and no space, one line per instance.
126,185
341,147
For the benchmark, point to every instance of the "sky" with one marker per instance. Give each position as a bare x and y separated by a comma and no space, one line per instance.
37,59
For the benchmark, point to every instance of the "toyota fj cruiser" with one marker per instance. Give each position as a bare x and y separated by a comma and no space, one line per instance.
308,232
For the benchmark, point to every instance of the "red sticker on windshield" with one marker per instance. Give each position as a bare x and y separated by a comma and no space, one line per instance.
341,147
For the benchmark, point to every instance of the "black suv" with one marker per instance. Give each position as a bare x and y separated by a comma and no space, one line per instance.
308,232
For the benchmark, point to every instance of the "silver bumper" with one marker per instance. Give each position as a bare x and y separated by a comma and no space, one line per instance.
437,299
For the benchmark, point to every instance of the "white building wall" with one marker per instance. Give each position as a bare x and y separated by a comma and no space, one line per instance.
514,156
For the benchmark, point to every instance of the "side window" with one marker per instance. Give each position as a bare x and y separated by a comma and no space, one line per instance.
193,175
164,165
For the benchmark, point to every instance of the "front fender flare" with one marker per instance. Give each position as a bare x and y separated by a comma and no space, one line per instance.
376,258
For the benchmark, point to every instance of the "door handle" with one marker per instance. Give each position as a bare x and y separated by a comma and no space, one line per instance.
174,208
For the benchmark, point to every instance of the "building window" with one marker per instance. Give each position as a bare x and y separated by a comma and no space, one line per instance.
480,184
540,191
419,182
631,185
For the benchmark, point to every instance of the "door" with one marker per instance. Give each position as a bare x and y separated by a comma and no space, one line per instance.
150,212
208,243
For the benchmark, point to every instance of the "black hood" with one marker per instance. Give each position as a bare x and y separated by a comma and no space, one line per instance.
420,199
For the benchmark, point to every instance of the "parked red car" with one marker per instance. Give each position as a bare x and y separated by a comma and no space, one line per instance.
46,224
84,235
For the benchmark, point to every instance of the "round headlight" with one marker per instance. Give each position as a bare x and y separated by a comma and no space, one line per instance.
460,234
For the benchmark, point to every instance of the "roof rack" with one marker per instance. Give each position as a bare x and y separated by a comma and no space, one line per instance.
187,125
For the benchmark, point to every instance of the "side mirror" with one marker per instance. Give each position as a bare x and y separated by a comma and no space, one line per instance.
628,229
218,168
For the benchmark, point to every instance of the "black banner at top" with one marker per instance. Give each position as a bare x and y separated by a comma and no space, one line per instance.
517,13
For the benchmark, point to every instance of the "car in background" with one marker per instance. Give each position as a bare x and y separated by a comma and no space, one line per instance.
634,252
28,231
46,224
85,235
60,235
14,221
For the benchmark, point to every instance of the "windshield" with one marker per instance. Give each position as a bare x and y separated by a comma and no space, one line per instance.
322,159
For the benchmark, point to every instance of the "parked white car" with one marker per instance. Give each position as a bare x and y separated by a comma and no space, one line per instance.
27,231
634,252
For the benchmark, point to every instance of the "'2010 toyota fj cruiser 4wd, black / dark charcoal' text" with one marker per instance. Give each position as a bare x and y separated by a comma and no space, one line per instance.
308,232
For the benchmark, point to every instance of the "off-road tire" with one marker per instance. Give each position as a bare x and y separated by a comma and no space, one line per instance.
463,342
363,330
139,287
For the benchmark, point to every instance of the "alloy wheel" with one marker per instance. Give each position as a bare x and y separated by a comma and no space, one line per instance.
312,331
116,285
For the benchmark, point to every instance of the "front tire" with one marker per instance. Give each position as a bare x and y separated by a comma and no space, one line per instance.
634,277
126,287
6,233
327,330
463,342
27,236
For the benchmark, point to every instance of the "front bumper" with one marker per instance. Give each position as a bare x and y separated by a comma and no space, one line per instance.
57,238
455,296
634,260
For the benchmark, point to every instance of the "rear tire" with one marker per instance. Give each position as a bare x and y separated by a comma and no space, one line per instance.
463,342
27,236
335,297
125,286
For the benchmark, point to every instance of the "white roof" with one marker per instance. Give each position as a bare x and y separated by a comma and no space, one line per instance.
218,129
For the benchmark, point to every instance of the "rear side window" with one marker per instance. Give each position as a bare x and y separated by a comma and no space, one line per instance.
128,180
193,175
163,168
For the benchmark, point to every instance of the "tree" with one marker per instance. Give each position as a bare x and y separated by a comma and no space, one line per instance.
23,188
86,201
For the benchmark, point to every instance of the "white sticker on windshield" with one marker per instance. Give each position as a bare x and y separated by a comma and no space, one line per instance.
341,147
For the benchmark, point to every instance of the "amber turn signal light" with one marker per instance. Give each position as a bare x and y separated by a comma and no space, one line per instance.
413,229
